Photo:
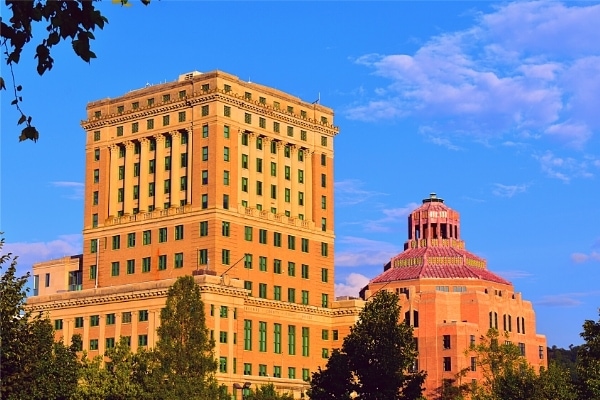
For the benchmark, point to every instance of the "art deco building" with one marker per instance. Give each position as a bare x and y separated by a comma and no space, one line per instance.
227,180
451,298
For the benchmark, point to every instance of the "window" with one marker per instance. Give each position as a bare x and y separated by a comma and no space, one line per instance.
277,371
93,271
116,242
204,228
96,175
446,342
273,147
178,260
131,239
226,154
222,364
94,220
291,295
248,118
324,249
78,322
119,130
204,201
324,300
541,352
93,344
473,363
225,256
58,324
110,319
244,184
95,198
245,161
147,237
324,138
178,232
304,297
291,340
162,235
114,271
143,315
472,340
300,176
166,120
248,261
324,274
226,201
276,239
262,236
274,191
324,224
94,320
205,153
290,131
150,123
276,127
323,160
204,110
120,195
286,151
162,262
146,264
277,266
96,136
181,116
203,256
291,242
323,180
247,369
262,336
277,292
522,349
130,267
183,183
244,139
447,366
247,334
324,353
227,111
287,173
287,195
291,268
126,317
167,186
142,340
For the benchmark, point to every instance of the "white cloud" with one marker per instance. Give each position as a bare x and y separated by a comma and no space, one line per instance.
351,285
357,252
514,274
350,192
75,189
565,168
33,252
391,216
524,67
508,190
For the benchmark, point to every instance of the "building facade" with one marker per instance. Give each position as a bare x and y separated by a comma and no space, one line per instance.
451,299
226,180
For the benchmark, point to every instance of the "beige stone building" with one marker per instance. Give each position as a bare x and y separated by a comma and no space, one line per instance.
226,180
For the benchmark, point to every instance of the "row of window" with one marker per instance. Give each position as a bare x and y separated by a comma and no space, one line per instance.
506,322
262,369
110,342
291,294
110,319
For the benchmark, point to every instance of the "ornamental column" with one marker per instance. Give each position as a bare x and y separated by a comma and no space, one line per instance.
308,185
190,162
175,168
294,180
144,160
113,181
159,172
252,171
280,176
128,185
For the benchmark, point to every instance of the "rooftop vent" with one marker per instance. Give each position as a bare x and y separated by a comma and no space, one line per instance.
189,76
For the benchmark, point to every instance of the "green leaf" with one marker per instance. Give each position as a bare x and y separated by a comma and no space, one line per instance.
14,102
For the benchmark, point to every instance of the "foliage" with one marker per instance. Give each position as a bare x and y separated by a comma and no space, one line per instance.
374,359
555,383
565,358
588,361
267,392
73,20
32,364
184,349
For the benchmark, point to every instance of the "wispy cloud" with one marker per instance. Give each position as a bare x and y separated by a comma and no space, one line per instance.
509,191
524,70
351,285
33,252
73,190
391,216
350,192
514,274
566,299
565,168
358,252
579,258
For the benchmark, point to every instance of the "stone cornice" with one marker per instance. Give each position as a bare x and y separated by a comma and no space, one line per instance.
206,97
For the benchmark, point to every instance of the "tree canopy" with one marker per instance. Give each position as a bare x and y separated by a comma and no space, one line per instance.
62,20
375,358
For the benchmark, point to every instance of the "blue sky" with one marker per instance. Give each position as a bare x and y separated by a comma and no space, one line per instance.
491,105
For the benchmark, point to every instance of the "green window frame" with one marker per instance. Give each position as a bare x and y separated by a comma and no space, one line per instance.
262,290
162,262
291,340
146,262
114,270
178,260
277,266
262,336
262,236
277,338
247,334
305,341
262,263
291,268
130,267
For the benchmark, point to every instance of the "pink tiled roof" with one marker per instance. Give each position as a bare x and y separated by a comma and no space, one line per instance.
440,272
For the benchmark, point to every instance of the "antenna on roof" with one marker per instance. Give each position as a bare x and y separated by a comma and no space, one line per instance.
318,100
